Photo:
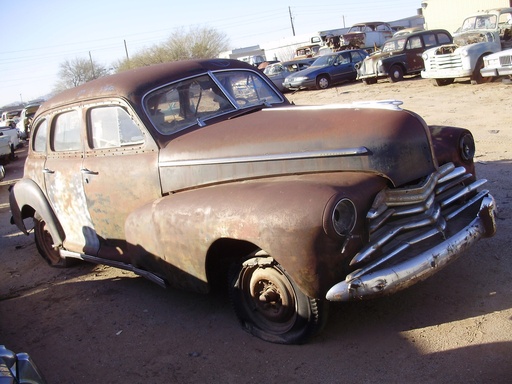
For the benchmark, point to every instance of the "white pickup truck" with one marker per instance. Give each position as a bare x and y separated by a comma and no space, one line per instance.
12,137
5,150
480,35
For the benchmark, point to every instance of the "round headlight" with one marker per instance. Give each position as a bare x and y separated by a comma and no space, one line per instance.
467,147
424,56
344,217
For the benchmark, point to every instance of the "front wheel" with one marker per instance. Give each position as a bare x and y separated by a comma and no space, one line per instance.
270,306
369,81
477,77
443,82
44,244
323,82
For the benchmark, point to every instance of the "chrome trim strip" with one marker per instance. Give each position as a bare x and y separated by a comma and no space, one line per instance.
273,157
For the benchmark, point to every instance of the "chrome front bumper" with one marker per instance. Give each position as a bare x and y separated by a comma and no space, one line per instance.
369,282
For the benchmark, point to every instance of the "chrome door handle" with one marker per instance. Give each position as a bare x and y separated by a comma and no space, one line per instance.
86,171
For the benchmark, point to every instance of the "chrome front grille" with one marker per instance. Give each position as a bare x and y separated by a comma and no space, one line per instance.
401,218
447,61
506,60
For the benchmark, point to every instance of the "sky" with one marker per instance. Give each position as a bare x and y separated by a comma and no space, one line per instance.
37,36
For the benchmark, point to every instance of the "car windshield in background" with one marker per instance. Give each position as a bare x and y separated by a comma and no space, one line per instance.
195,100
479,22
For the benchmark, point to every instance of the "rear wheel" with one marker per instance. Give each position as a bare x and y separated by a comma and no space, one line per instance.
270,306
44,244
323,82
396,73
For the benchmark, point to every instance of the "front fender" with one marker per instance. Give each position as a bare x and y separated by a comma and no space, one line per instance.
26,198
283,216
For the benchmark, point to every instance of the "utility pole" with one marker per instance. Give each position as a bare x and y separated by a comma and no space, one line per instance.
126,50
92,66
291,20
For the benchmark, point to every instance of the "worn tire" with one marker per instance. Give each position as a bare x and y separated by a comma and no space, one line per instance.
369,81
442,82
476,77
396,74
323,82
270,306
44,244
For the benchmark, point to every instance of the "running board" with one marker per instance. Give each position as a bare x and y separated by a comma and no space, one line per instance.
116,264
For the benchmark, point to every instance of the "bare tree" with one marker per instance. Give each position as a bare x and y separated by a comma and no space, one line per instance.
78,71
196,43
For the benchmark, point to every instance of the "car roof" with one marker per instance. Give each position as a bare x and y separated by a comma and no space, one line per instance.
406,36
133,84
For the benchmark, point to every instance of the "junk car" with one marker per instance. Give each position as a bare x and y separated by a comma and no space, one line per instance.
481,34
18,368
400,56
277,72
327,70
367,36
197,173
498,64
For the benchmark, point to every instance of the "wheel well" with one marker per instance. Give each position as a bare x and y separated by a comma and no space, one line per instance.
27,211
221,256
398,64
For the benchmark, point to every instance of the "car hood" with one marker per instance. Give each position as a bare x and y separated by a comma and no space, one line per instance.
307,71
382,55
393,143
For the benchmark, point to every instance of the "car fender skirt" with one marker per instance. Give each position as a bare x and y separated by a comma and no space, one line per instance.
27,193
373,283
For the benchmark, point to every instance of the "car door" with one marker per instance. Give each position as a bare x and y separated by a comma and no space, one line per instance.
63,182
343,68
413,50
120,173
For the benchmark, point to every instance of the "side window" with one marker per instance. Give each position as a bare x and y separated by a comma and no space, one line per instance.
356,56
112,127
343,59
39,136
66,132
443,38
414,43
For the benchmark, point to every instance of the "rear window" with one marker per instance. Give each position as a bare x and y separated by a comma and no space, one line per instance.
39,136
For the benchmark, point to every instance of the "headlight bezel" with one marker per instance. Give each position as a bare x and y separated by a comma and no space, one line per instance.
340,217
467,147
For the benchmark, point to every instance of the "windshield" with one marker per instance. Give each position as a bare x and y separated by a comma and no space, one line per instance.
193,101
479,22
324,61
394,45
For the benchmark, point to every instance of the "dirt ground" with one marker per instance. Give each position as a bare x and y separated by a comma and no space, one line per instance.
95,324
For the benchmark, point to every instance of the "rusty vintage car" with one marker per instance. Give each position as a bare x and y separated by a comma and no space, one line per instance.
197,173
400,56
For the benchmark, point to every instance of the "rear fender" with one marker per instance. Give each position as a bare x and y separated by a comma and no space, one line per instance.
26,199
